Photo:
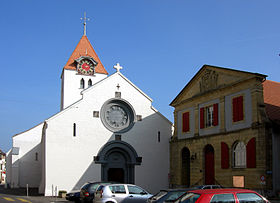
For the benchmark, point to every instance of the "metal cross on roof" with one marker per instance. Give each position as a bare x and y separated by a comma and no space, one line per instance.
85,19
118,67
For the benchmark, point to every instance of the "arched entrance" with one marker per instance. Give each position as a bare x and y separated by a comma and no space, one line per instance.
185,167
209,165
118,160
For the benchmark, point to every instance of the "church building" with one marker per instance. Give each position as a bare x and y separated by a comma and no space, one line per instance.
107,130
227,131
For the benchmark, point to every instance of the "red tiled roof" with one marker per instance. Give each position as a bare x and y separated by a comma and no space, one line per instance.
84,48
271,94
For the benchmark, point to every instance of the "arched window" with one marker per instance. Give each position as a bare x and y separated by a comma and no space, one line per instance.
82,84
239,155
89,83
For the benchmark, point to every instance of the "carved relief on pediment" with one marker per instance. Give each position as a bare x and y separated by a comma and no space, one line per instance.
209,80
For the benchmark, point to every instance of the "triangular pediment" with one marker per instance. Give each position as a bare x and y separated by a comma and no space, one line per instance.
84,49
210,78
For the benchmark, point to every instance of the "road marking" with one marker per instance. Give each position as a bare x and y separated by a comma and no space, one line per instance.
24,200
9,199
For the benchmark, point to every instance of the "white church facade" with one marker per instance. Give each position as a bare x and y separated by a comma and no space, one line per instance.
107,130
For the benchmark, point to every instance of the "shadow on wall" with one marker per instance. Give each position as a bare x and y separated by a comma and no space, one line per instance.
26,171
143,140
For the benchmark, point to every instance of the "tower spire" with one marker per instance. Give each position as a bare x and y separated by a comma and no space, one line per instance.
85,19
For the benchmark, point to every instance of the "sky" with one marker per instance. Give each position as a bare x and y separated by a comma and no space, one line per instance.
161,44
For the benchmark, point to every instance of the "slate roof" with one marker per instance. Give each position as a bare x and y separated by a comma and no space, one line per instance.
84,48
271,94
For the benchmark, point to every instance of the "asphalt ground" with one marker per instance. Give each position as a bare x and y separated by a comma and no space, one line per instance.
19,195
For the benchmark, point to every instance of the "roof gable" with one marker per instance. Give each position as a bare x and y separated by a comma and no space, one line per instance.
84,48
210,78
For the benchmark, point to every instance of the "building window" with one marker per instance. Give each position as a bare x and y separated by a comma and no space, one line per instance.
239,155
82,83
89,83
74,130
36,156
96,114
209,116
118,94
186,122
139,117
237,109
118,137
158,136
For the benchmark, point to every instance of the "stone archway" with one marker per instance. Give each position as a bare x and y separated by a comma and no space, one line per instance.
118,160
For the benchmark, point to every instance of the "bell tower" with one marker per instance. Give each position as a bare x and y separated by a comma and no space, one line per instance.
81,71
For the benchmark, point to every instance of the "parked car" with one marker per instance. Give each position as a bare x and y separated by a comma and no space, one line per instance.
221,195
203,187
125,193
87,191
74,196
168,195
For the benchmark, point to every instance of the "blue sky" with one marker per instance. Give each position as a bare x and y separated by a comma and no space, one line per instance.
161,44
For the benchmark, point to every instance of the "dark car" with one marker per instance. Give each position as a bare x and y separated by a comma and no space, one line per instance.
74,196
229,195
167,195
88,190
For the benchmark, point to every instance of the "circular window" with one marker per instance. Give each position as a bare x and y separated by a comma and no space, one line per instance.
117,115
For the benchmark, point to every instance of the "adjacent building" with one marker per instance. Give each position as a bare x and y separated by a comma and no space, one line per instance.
2,167
227,126
107,130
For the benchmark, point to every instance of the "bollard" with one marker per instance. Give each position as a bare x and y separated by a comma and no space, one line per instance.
27,190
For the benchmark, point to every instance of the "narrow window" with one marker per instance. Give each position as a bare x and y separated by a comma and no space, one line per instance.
158,136
118,94
89,83
118,137
139,118
74,130
82,84
36,156
209,116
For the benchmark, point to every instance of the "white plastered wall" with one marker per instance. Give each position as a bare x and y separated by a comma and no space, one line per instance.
70,86
69,159
25,168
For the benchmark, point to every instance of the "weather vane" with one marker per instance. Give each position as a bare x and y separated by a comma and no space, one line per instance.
85,19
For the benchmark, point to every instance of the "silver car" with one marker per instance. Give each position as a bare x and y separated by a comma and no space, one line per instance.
120,193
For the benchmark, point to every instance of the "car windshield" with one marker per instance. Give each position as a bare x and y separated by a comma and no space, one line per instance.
159,195
174,195
190,198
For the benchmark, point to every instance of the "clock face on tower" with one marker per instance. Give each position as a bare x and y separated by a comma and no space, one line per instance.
85,66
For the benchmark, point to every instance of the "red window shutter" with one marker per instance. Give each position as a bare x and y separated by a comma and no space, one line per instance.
234,109
201,118
224,155
216,115
251,153
186,122
240,108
